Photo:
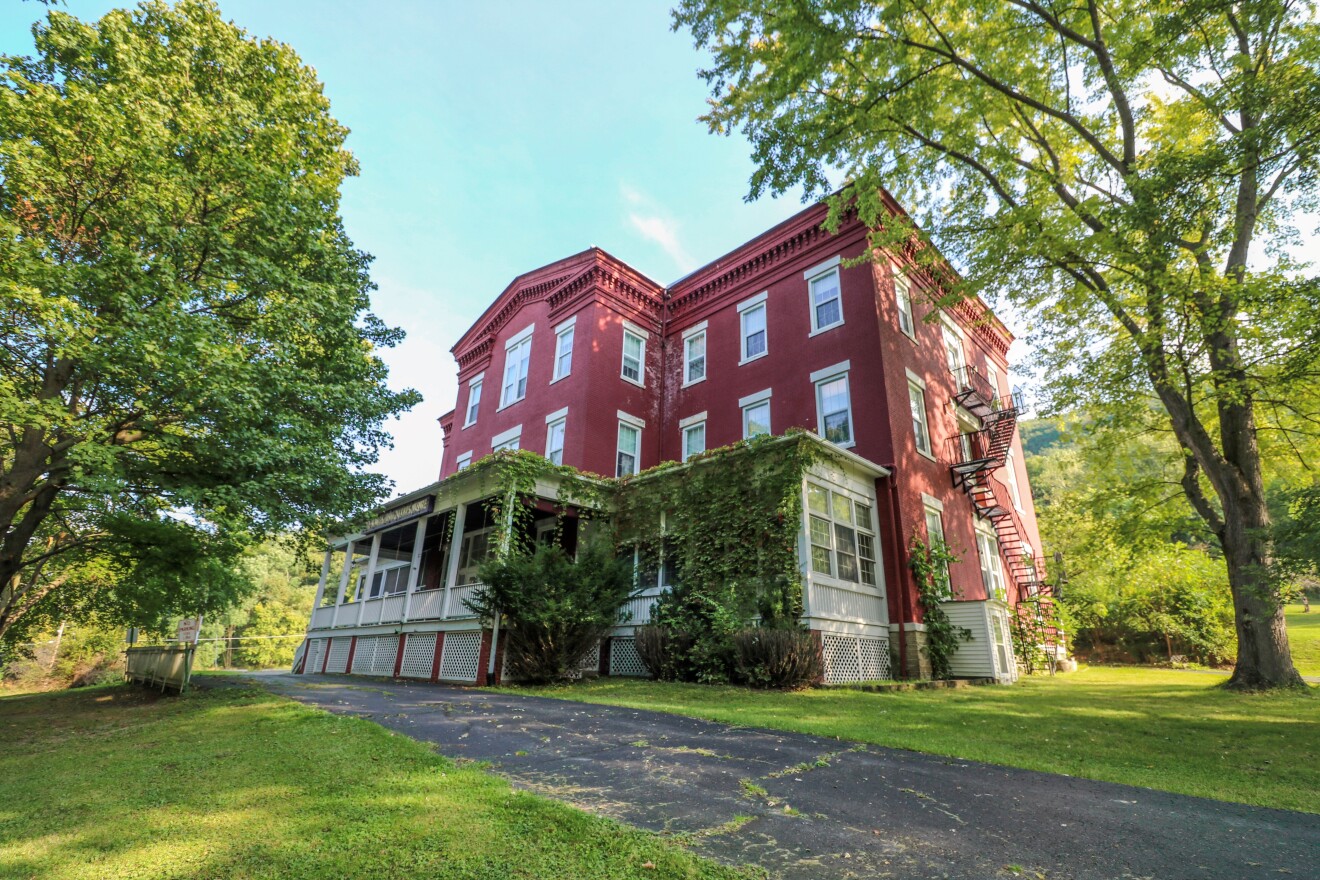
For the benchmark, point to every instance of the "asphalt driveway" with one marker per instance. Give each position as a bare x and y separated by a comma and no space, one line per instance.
810,807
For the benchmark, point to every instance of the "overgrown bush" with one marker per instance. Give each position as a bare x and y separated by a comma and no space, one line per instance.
664,651
777,658
553,609
930,569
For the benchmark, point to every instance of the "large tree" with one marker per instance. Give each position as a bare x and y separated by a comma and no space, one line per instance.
187,359
1113,167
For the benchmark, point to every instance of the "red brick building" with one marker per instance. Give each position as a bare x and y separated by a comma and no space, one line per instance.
593,365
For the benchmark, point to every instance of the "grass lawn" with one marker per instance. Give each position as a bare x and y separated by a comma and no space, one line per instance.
1158,728
113,782
1304,638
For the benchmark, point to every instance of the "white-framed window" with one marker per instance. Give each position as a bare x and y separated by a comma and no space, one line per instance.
903,299
555,425
756,414
935,537
473,551
473,401
834,419
517,357
634,354
992,376
629,448
694,435
694,354
920,426
1010,474
826,296
463,461
507,441
752,323
953,353
992,570
389,579
563,350
842,535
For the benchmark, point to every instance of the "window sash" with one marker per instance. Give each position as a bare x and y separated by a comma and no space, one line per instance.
841,536
629,442
694,440
564,353
634,348
695,357
903,297
554,441
953,353
826,300
756,419
754,336
834,404
515,372
920,427
474,403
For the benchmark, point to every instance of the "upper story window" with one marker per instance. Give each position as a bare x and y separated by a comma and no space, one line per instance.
834,404
1010,472
826,295
694,354
474,400
903,299
563,350
463,461
935,533
953,353
634,353
756,414
694,435
555,426
630,445
920,427
751,317
992,571
842,535
507,441
992,377
517,357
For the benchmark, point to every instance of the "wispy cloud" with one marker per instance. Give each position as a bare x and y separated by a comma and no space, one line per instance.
651,223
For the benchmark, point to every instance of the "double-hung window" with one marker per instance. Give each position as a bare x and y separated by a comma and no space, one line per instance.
694,435
903,298
920,427
954,357
842,535
694,354
555,425
756,414
563,350
1010,472
630,445
826,296
474,400
834,404
634,354
992,572
463,461
752,328
509,441
935,538
517,357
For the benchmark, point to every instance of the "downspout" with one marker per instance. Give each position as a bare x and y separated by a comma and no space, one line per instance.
903,608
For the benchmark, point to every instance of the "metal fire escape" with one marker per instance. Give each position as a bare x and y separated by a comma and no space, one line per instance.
974,456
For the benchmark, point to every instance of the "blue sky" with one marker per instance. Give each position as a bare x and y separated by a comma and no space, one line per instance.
495,138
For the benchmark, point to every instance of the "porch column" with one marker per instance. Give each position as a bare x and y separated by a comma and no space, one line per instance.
343,582
371,572
804,549
455,545
505,543
415,568
320,587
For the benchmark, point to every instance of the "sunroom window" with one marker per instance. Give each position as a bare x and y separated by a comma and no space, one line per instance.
842,536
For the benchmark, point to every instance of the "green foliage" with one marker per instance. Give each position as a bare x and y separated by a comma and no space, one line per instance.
930,570
665,652
553,609
188,361
784,659
728,525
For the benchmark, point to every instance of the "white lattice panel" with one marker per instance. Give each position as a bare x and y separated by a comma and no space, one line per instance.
591,662
624,659
418,655
338,655
315,654
461,656
844,604
375,655
855,658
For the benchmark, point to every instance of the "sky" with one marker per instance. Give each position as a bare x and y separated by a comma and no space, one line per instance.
494,138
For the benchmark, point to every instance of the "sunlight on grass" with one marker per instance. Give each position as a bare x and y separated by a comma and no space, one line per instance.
1165,729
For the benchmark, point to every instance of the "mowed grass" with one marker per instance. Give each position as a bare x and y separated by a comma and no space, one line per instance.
1304,638
114,782
1164,729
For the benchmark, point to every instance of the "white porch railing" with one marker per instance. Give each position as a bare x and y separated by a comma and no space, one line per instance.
456,608
636,612
427,605
323,617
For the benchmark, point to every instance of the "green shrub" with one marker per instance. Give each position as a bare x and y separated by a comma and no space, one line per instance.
553,610
777,658
664,651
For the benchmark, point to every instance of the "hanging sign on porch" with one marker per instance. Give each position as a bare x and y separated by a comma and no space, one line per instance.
420,507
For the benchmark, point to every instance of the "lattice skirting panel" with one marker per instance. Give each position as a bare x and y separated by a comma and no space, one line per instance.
418,655
461,656
591,662
338,655
315,654
855,658
624,659
375,655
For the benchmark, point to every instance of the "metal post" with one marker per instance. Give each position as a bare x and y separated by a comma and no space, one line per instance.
455,545
415,569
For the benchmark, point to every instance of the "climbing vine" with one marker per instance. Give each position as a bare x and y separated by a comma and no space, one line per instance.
727,524
1030,624
930,566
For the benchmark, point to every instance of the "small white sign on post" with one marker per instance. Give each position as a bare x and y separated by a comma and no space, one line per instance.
189,629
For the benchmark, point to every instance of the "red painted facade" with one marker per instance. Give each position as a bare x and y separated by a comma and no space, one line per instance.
601,295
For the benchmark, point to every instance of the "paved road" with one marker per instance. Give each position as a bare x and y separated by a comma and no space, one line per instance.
808,807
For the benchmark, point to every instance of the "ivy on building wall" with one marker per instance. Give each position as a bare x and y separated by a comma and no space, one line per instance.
930,568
